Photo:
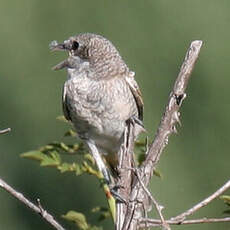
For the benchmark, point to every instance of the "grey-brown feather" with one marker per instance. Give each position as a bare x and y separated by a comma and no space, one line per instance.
99,110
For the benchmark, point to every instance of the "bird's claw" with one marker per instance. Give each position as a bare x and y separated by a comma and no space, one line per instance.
116,195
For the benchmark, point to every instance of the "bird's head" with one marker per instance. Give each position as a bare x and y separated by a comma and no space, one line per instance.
100,53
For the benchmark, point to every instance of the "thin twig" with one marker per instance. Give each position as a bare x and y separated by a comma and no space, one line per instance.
38,209
180,219
159,208
5,130
203,203
147,223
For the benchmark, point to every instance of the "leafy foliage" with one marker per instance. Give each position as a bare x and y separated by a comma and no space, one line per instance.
103,211
50,156
80,220
54,155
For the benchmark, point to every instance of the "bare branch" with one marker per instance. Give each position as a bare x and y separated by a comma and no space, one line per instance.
147,223
203,202
165,129
38,209
125,175
5,130
171,114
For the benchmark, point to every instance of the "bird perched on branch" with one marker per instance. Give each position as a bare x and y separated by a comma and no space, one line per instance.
99,96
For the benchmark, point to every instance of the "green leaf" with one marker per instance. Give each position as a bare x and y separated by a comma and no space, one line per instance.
226,199
53,159
90,158
62,118
66,167
33,155
70,133
140,158
59,146
157,173
74,167
90,170
104,212
140,143
99,209
46,148
78,218
78,170
62,147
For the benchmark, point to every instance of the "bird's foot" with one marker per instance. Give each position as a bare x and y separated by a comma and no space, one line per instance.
115,194
135,120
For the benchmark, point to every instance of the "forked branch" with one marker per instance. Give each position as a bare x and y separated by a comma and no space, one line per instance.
138,199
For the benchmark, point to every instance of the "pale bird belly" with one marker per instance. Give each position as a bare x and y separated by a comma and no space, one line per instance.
109,138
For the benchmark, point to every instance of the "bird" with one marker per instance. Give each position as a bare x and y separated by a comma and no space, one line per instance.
99,96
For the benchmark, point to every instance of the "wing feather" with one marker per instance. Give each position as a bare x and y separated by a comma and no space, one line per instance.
65,108
136,93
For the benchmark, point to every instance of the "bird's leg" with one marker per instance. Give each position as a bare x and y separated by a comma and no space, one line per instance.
108,188
104,171
99,161
136,120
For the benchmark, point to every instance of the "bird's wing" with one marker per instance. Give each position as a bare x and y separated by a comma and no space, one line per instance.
65,105
136,93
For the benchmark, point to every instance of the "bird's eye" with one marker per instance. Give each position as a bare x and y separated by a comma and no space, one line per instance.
75,45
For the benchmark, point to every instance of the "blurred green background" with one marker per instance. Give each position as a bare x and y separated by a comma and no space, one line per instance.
152,36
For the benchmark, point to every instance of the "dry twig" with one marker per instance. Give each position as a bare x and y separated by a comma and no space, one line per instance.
203,203
38,209
180,219
148,223
158,207
5,130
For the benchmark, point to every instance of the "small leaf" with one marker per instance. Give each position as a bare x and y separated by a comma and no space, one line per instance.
53,159
59,146
66,167
99,209
90,158
88,169
157,173
104,212
141,143
70,133
78,170
62,118
33,155
104,215
50,159
46,148
226,199
78,218
77,148
141,158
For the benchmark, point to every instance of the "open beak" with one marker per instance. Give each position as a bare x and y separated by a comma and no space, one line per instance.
55,46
